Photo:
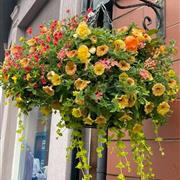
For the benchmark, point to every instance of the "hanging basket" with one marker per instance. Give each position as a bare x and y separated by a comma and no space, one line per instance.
108,79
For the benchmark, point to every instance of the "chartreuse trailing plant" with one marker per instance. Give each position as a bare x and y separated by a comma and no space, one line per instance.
109,79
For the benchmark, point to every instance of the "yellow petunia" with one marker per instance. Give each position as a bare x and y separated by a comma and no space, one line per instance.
31,42
163,108
99,68
55,105
83,54
24,62
93,39
137,128
123,101
45,110
158,89
88,120
123,76
18,99
132,98
171,73
48,90
81,84
70,68
130,81
172,83
124,66
101,120
28,76
79,101
83,30
76,112
14,78
119,45
102,50
54,78
148,108
125,117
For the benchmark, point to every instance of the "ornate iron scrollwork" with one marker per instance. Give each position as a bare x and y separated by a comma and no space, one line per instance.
158,8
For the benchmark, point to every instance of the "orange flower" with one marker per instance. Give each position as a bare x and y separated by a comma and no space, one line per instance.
48,90
93,39
172,83
124,66
81,84
102,50
71,54
122,29
158,89
70,68
132,43
130,81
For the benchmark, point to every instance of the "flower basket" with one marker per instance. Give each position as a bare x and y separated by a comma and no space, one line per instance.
108,79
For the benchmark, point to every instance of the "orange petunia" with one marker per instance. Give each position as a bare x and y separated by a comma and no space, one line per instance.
132,43
102,50
70,68
71,54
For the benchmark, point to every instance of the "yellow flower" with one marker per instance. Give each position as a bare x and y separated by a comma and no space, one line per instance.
83,30
93,39
21,39
55,105
102,50
28,77
54,78
83,54
48,90
99,68
79,101
130,81
45,110
123,76
147,37
137,128
18,99
123,101
124,66
172,83
32,49
31,42
158,89
81,84
171,73
132,99
76,112
125,117
101,120
122,29
24,62
14,78
148,108
163,108
138,33
70,68
88,120
119,45
132,59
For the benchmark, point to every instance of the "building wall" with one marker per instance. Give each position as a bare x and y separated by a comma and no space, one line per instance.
167,167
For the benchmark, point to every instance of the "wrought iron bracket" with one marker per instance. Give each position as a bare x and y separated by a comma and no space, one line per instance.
158,7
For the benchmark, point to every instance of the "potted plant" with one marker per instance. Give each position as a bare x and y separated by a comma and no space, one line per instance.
108,79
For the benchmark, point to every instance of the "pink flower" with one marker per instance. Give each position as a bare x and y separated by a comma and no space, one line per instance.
29,30
114,63
146,75
61,54
106,63
99,96
150,64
